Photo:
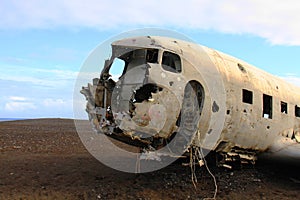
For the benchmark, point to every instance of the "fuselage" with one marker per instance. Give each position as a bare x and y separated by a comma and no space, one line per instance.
234,107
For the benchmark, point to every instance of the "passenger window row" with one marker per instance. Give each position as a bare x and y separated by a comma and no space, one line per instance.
247,97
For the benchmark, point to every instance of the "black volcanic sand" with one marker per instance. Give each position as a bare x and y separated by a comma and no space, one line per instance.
45,159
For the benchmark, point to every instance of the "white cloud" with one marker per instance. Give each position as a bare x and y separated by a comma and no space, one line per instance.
57,74
17,98
278,21
54,102
17,106
36,92
38,76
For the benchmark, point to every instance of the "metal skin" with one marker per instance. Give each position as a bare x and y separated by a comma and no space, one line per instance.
225,118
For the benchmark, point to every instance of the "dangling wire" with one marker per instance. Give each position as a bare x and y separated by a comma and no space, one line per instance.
193,167
207,168
200,157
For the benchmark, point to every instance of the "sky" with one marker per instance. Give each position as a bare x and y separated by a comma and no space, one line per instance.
43,44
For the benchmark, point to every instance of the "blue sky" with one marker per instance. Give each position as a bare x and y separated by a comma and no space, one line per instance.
44,43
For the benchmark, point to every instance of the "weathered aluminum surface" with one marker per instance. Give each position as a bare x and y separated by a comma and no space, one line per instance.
226,122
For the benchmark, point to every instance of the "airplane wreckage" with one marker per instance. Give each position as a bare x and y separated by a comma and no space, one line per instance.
180,95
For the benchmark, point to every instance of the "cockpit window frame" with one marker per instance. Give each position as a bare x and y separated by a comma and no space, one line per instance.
174,69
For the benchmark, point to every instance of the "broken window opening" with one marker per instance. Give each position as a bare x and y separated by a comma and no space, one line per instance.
132,59
152,56
171,62
136,58
247,96
284,107
267,106
297,111
117,69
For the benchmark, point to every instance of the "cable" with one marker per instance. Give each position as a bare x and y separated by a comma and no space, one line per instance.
192,166
202,157
214,178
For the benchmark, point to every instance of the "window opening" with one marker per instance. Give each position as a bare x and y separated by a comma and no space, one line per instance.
171,62
152,56
132,59
284,107
297,111
247,96
117,69
267,106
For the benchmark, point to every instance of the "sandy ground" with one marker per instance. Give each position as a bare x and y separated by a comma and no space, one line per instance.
45,159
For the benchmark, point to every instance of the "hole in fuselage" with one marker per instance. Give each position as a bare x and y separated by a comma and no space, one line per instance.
145,92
